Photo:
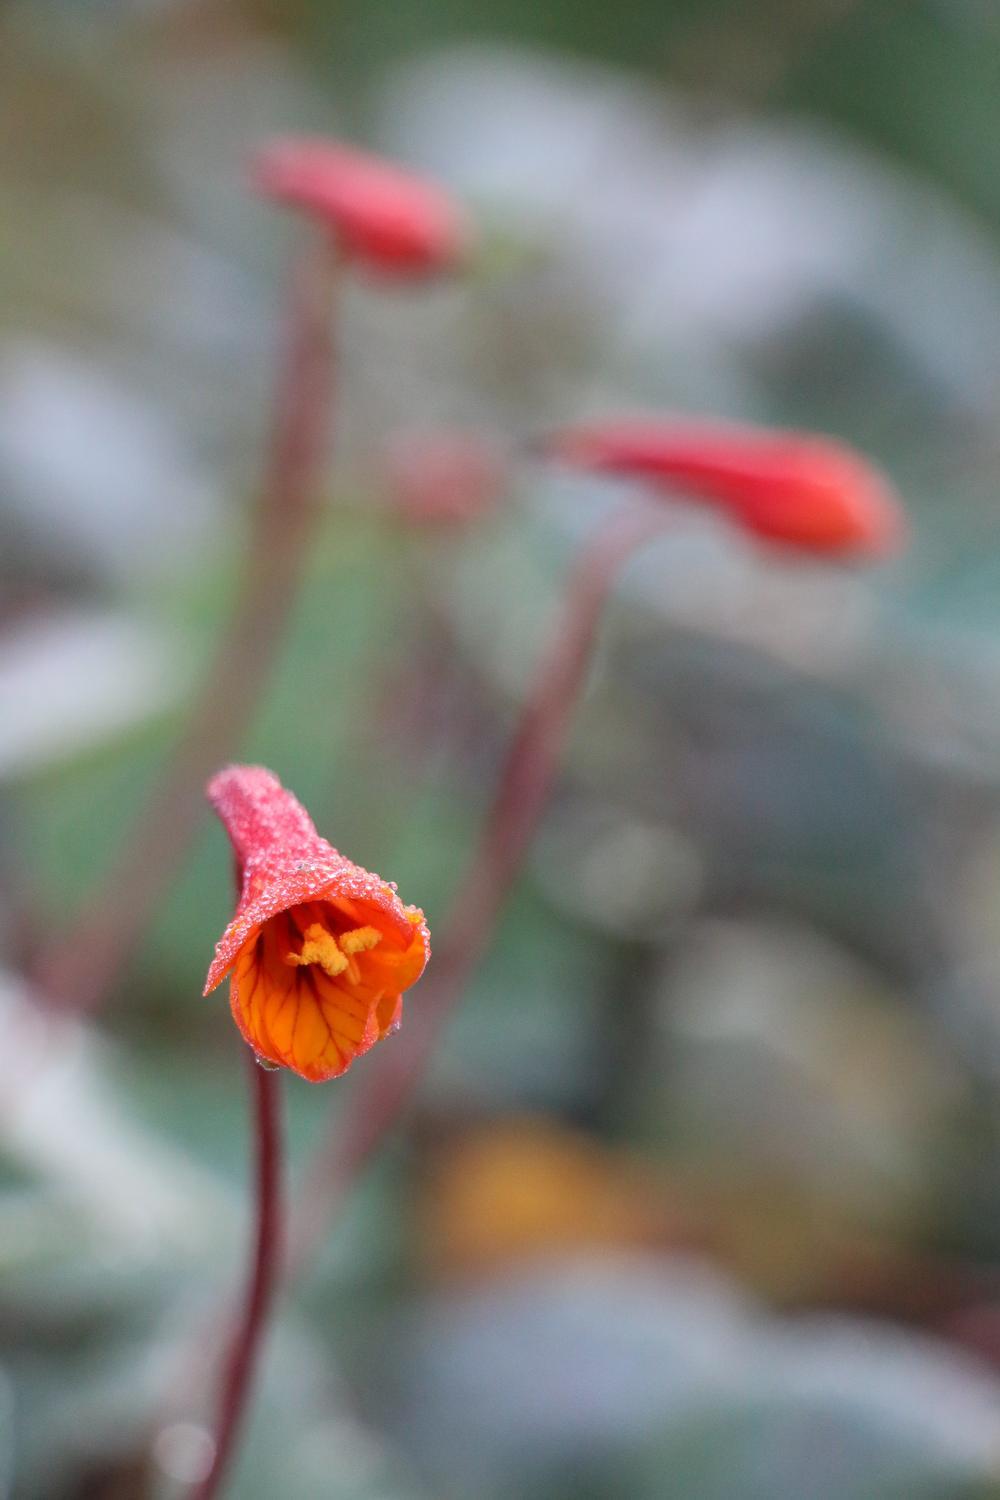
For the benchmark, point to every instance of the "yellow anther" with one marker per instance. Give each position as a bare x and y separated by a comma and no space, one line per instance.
320,947
360,940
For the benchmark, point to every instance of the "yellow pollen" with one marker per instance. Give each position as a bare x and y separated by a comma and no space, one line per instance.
360,940
321,947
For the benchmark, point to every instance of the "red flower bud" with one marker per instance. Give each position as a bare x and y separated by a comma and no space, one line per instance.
793,488
320,951
443,478
391,222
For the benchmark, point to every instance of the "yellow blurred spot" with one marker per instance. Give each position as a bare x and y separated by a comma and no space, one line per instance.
524,1188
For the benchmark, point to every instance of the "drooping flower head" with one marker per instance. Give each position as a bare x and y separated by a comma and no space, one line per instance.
390,221
319,951
796,489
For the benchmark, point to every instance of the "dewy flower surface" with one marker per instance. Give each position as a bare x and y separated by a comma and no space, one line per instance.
320,951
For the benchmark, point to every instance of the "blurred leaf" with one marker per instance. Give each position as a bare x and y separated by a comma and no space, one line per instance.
662,1377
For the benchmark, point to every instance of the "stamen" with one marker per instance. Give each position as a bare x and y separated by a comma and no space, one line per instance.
319,946
360,940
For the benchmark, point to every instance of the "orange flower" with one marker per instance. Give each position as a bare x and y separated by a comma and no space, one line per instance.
319,951
793,488
395,223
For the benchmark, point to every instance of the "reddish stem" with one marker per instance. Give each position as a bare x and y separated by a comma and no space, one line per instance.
526,781
237,1380
79,973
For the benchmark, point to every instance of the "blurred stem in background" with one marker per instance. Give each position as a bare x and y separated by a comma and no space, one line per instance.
441,487
80,972
237,1378
526,780
798,491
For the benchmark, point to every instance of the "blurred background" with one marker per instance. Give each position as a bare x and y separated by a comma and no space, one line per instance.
702,1197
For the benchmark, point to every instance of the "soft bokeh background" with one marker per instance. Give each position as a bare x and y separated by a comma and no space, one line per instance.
702,1198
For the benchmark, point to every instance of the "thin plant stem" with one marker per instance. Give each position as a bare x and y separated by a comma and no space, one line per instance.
78,974
236,1385
530,767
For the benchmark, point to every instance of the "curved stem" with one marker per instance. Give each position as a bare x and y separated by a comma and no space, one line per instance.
77,975
526,780
237,1380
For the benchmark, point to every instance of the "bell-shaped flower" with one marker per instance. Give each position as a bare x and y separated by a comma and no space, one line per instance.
320,951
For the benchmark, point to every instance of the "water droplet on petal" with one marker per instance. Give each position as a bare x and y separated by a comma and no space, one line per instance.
266,1064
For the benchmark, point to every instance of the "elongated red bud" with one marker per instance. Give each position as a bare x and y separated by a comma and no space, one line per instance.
387,220
796,489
